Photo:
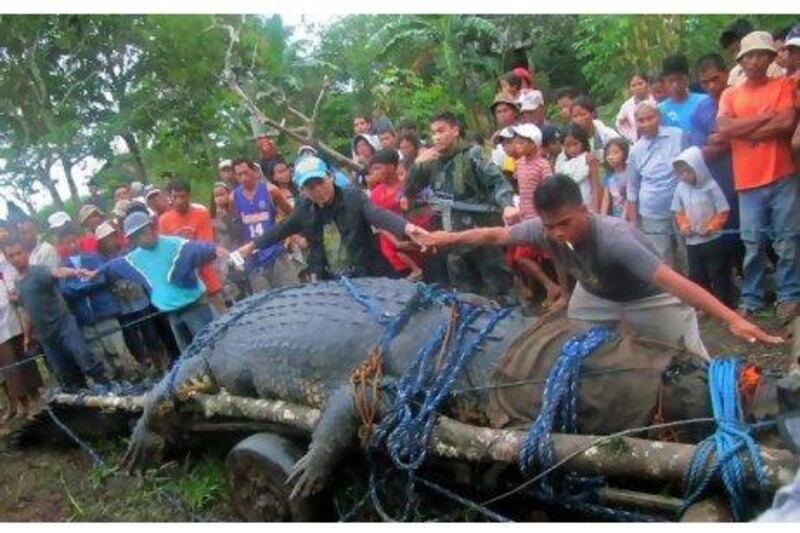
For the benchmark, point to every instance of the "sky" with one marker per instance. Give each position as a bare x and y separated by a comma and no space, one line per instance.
84,171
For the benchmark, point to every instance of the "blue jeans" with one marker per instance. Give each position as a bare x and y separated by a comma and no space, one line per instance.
69,356
188,321
771,212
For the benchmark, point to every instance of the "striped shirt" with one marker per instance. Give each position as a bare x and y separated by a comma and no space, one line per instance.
530,171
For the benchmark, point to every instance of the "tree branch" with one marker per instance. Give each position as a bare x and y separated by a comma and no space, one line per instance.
326,83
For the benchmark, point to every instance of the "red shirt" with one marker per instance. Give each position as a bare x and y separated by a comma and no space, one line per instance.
194,225
86,243
389,198
529,172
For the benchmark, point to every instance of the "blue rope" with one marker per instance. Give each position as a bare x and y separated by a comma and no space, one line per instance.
406,428
559,401
719,455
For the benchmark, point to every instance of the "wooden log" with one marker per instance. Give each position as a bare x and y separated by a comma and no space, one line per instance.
640,500
712,509
618,457
794,333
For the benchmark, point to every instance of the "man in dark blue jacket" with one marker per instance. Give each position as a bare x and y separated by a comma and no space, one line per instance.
96,310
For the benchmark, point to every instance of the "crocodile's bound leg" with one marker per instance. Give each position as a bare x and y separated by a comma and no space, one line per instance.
334,434
146,444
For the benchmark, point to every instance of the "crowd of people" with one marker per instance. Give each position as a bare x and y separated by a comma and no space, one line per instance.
694,186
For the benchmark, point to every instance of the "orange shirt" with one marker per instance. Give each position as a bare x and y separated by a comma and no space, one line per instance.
757,164
194,225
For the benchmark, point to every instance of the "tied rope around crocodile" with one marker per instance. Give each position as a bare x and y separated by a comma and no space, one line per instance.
408,425
720,455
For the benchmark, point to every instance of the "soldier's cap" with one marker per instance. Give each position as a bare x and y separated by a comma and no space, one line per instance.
307,168
87,211
135,222
503,98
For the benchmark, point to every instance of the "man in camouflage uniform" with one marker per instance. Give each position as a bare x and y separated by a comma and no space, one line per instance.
467,192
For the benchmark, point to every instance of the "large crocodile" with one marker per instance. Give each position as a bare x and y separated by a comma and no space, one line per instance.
301,345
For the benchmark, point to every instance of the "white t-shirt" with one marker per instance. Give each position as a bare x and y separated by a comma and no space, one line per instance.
10,325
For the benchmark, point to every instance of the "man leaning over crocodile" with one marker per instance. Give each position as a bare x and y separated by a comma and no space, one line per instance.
619,275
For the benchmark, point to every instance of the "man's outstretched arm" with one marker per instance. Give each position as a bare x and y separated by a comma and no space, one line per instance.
474,237
696,296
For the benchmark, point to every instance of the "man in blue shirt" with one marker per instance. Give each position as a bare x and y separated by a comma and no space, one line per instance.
713,78
680,105
652,181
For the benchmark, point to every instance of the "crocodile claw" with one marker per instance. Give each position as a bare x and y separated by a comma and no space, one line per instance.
143,451
308,478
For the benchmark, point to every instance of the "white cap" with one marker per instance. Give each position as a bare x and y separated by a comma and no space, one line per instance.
531,100
506,133
224,163
58,219
794,41
104,230
528,131
152,192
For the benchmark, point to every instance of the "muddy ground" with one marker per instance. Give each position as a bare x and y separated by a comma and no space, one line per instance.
53,484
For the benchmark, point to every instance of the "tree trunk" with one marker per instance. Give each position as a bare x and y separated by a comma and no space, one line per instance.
50,185
133,148
73,187
620,457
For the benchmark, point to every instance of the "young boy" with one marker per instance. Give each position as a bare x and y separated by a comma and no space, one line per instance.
387,195
96,310
619,275
46,315
531,169
552,143
701,210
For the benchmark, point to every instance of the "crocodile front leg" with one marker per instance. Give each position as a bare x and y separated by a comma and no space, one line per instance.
158,420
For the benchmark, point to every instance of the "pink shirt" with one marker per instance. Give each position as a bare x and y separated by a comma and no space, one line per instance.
530,171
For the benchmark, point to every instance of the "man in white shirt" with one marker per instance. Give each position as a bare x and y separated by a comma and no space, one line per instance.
41,252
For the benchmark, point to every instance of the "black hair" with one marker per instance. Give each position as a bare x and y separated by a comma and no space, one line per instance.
585,102
244,161
273,164
13,240
474,136
446,116
513,80
411,138
365,116
566,92
386,129
639,74
710,61
67,230
385,157
551,134
620,143
580,135
734,32
555,192
408,124
781,33
136,206
675,64
180,185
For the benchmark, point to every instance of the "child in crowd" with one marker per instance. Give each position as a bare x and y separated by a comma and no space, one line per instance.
96,310
364,147
531,169
404,257
281,177
616,161
701,211
640,92
584,114
511,84
552,144
578,162
227,233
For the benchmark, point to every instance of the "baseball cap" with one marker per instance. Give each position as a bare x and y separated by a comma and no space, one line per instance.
58,219
523,73
531,100
306,149
152,192
104,230
121,208
135,222
793,37
87,211
309,167
224,163
528,131
757,40
551,134
506,133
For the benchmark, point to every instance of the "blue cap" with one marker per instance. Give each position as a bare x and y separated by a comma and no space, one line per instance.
134,222
309,167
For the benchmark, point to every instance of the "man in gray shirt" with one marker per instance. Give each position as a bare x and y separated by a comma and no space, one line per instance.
619,276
